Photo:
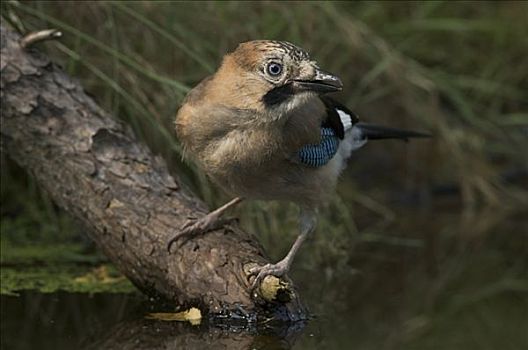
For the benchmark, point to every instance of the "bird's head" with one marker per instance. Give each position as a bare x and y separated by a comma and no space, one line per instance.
272,76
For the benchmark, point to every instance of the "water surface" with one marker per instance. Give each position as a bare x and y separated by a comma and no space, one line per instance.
412,289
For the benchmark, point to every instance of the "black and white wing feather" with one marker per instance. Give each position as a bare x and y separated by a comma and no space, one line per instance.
342,133
338,138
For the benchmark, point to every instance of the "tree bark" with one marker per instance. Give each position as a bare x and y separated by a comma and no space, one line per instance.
93,167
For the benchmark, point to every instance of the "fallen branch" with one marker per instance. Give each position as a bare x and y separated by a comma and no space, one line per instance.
35,37
94,168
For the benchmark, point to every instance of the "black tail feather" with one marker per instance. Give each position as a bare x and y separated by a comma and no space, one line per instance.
378,132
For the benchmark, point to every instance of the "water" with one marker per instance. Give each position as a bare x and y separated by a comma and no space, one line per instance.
423,291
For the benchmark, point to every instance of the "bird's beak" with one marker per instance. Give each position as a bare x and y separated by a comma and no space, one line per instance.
322,83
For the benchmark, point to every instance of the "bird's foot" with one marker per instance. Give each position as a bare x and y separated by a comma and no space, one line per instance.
193,227
209,222
279,269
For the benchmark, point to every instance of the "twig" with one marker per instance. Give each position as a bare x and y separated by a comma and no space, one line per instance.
35,37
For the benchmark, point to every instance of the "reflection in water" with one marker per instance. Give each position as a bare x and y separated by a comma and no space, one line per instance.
143,334
66,321
427,289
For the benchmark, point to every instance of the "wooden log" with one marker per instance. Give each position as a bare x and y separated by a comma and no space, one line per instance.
93,167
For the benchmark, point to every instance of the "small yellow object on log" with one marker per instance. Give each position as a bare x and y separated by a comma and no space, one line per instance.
193,315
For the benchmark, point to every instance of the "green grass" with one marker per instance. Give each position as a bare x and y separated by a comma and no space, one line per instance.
73,278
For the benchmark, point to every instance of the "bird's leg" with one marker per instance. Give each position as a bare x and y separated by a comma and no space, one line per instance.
209,222
307,223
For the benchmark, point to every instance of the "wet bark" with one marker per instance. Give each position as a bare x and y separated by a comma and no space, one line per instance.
94,168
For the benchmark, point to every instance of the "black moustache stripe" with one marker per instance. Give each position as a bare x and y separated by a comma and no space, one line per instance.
278,95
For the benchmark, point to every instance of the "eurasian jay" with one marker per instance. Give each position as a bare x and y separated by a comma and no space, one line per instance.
263,128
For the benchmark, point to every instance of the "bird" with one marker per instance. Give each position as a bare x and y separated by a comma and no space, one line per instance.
263,127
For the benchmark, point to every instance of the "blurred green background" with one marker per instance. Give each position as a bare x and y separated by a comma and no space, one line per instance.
434,231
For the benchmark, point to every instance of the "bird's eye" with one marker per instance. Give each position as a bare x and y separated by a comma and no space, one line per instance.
274,69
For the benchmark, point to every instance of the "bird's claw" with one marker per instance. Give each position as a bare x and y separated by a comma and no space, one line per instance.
189,228
193,227
189,223
278,270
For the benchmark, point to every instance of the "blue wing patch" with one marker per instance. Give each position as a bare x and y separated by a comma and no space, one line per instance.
319,154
